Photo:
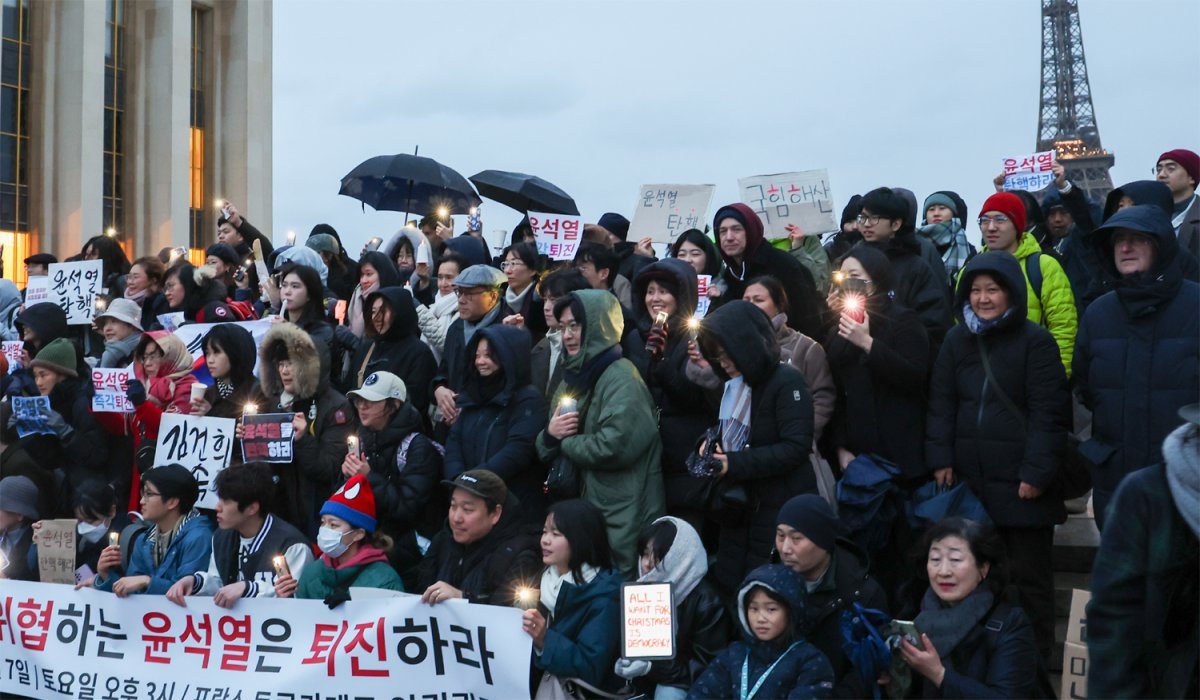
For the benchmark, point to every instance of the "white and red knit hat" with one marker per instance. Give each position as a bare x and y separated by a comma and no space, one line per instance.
354,502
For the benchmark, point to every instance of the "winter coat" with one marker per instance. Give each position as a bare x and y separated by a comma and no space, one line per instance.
918,288
881,394
189,552
154,304
399,350
583,638
1137,355
323,579
530,307
971,429
546,363
1188,231
617,450
807,355
21,565
499,434
800,670
812,256
10,304
774,465
452,371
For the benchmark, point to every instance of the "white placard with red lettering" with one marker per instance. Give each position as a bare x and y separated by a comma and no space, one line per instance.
703,282
12,352
803,198
647,621
1030,173
37,291
558,235
663,212
111,385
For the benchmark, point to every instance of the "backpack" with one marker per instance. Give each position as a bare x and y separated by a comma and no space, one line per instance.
1033,273
129,537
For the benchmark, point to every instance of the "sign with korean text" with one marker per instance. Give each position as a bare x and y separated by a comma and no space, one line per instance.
1030,173
558,235
32,415
801,198
267,437
200,443
111,385
193,335
74,286
58,643
55,541
647,621
663,212
37,291
703,282
12,353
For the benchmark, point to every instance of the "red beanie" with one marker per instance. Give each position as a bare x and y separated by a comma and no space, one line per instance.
1188,159
354,502
1009,205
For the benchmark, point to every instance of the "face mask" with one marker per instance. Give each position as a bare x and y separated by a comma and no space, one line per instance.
330,542
91,533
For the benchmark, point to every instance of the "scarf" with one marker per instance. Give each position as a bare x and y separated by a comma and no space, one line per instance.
444,305
484,389
470,328
225,388
735,415
951,241
578,383
1183,473
139,297
160,542
1180,210
685,563
977,325
552,584
948,626
354,316
514,301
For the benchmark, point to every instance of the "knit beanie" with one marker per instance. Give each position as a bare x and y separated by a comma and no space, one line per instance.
852,209
223,252
323,243
1009,205
57,356
354,502
616,224
812,517
1188,159
174,481
939,198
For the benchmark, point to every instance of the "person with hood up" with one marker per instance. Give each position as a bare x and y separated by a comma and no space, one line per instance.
929,252
1137,355
746,255
230,355
375,272
354,553
1051,304
1145,577
774,660
37,325
292,382
612,438
500,415
547,356
943,225
121,324
436,318
10,305
766,432
392,343
671,552
479,289
999,413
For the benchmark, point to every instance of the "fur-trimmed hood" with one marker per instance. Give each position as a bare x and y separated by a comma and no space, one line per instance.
306,363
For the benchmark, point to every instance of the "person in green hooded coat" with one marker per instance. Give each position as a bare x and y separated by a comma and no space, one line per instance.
612,435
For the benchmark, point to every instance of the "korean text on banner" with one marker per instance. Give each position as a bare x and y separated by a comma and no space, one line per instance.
663,212
32,415
55,541
58,643
802,198
1075,651
703,302
558,235
267,437
37,291
74,286
1030,173
111,385
201,444
647,621
12,353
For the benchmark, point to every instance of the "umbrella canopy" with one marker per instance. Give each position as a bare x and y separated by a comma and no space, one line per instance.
409,183
523,192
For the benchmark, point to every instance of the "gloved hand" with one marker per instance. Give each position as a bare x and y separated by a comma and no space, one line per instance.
135,391
656,343
631,668
58,424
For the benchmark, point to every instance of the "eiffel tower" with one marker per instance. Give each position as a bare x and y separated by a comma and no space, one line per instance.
1066,119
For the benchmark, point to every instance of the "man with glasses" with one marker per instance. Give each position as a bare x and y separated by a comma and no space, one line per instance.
479,288
1180,170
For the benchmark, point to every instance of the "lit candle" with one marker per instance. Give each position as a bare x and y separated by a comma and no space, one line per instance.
567,404
218,203
250,409
352,444
693,326
111,232
838,276
114,539
527,598
101,304
291,238
281,566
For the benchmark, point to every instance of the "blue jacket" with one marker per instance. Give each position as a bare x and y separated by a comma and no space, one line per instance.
583,640
189,552
1137,355
801,671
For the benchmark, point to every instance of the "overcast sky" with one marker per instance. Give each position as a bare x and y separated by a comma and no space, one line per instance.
600,97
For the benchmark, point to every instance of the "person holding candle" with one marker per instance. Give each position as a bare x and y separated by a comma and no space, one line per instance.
375,271
230,354
94,506
547,356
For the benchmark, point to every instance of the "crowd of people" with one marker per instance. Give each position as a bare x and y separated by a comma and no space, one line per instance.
472,427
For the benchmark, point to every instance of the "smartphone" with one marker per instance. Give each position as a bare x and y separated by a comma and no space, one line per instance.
853,293
908,630
374,243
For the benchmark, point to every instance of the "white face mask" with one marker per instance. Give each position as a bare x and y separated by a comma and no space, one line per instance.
330,542
91,533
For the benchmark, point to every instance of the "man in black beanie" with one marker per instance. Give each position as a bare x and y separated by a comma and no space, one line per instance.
834,570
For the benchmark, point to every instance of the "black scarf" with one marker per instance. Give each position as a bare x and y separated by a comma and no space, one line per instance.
948,627
484,389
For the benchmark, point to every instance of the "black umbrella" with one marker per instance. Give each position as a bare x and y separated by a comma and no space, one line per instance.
409,183
523,192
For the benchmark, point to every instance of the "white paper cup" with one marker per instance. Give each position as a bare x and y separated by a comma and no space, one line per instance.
198,390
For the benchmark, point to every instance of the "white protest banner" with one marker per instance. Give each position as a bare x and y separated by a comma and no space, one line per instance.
201,444
12,352
58,643
37,291
32,415
647,621
74,287
558,235
55,541
802,198
703,282
663,212
1030,173
111,384
193,334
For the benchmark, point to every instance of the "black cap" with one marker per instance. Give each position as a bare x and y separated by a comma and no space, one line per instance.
41,259
481,482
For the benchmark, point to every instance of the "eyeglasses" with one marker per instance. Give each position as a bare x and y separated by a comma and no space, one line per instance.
1168,168
867,219
152,355
470,292
147,493
999,220
573,328
512,264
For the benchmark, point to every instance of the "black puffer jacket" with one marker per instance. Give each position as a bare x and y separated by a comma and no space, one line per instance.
398,350
917,286
971,429
774,465
497,427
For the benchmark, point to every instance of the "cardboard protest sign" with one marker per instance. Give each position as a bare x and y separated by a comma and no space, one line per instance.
663,212
558,235
201,444
703,282
56,551
32,414
111,384
267,437
74,286
12,352
647,621
1075,651
1030,173
802,198
37,291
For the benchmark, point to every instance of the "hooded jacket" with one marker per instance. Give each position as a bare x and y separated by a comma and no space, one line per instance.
1137,355
47,321
398,350
498,432
617,450
971,429
925,247
774,465
10,303
238,345
388,276
800,669
760,258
